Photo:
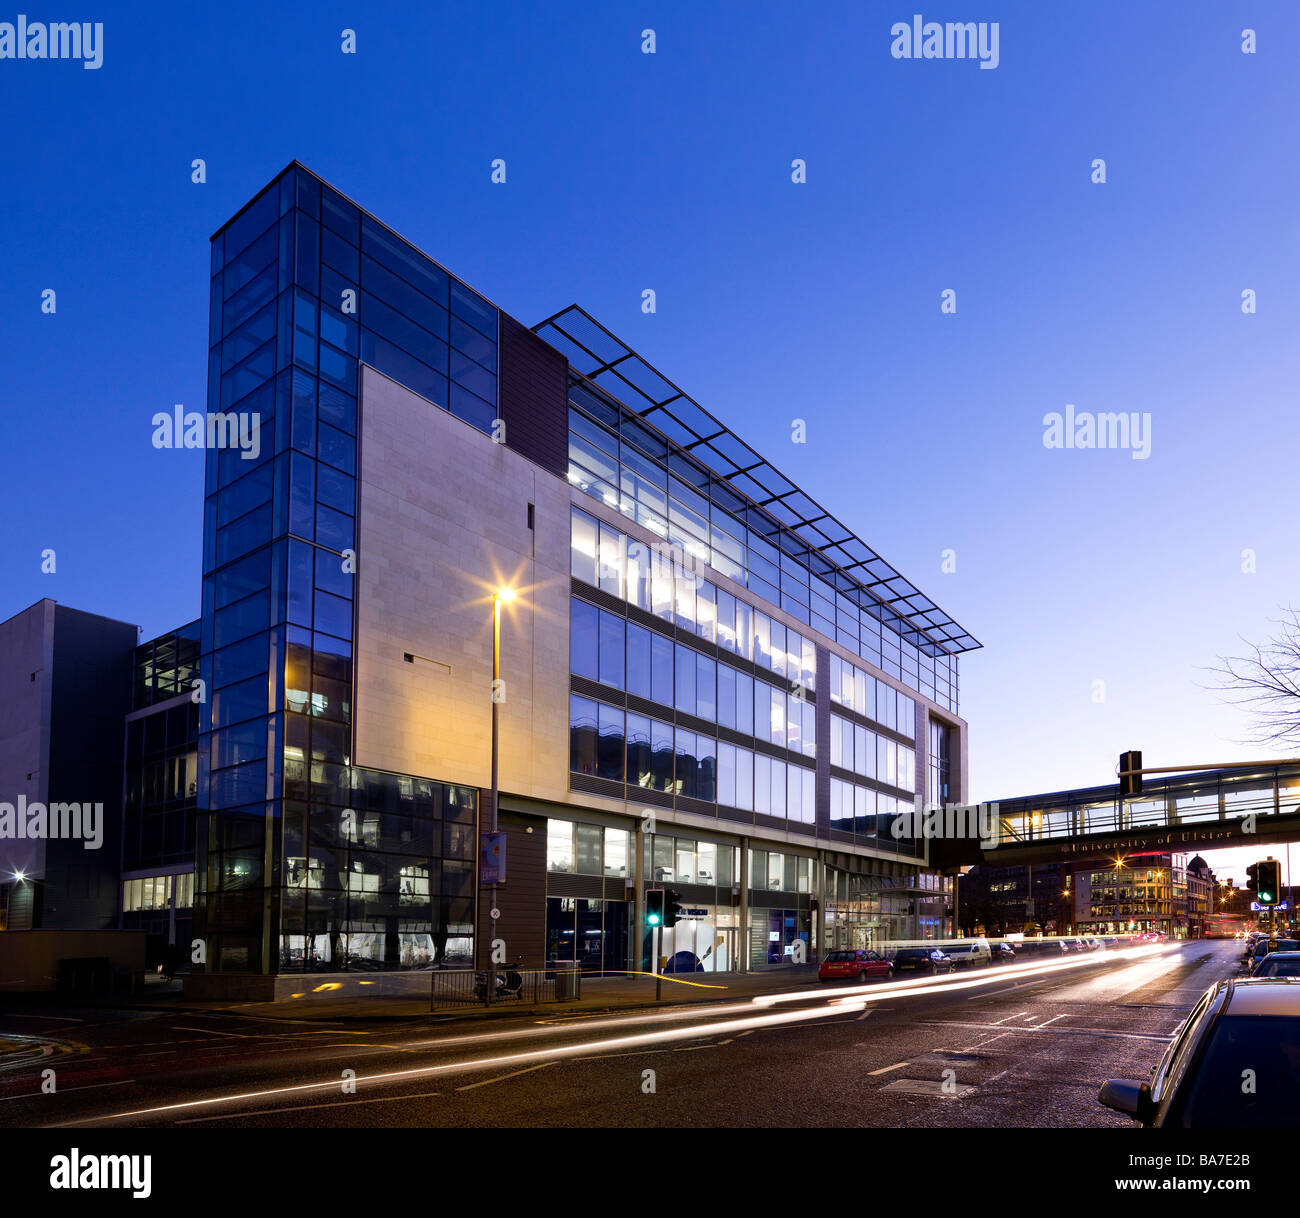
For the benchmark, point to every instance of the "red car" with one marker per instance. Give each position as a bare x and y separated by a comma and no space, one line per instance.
858,965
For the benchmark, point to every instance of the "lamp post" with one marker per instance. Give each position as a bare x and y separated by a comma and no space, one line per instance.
503,596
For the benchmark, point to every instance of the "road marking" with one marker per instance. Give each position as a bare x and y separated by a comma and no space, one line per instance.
27,1095
887,1069
1017,1015
982,1043
502,1077
1054,1019
384,1099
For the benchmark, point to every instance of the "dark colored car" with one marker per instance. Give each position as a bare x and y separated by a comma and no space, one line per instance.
1286,948
1001,953
1238,1030
1278,964
922,960
856,964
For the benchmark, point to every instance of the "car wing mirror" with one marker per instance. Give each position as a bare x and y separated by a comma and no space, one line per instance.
1127,1096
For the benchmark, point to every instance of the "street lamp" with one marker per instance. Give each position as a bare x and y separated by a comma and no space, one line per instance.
502,596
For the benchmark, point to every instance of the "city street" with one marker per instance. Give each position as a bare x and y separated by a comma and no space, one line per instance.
1025,1044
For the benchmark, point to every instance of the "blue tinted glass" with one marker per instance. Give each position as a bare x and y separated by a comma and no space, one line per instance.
259,290
300,582
241,579
337,448
397,256
308,193
248,338
304,413
335,530
340,215
242,496
302,496
335,489
379,318
338,367
638,660
661,669
239,661
238,702
336,252
611,650
584,640
243,379
464,371
339,330
261,254
307,263
304,330
330,575
242,619
218,252
472,409
474,309
478,346
338,408
254,220
333,287
404,369
400,295
333,615
246,534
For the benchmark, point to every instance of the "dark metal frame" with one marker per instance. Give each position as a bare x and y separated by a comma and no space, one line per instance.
600,358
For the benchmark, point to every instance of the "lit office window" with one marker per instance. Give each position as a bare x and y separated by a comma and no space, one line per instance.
559,845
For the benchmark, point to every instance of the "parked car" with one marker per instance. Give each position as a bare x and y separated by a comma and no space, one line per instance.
1239,1028
1001,953
1049,949
1278,964
922,960
974,954
855,964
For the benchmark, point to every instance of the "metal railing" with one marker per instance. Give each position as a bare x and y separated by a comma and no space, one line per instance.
451,988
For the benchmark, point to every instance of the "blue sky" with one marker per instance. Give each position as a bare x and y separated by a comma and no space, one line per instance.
775,301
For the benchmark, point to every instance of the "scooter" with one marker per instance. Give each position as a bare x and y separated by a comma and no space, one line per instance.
510,984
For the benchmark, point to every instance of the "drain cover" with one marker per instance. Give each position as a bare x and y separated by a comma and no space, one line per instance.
929,1087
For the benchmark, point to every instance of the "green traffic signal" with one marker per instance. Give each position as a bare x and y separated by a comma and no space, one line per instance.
654,907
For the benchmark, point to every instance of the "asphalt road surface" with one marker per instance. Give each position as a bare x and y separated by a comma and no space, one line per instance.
1010,1046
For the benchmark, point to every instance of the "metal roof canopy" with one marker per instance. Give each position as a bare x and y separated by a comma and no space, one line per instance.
606,362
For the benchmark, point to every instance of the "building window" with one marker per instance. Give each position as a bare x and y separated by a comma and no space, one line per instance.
559,845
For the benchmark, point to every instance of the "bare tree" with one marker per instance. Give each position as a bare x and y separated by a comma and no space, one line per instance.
1267,681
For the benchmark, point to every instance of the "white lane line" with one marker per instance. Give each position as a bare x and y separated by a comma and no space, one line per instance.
501,1078
234,1116
887,1069
1054,1019
982,1043
27,1095
1017,1015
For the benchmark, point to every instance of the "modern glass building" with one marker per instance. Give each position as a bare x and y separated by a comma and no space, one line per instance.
708,679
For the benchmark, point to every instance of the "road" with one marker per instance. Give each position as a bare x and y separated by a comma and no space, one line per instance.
1009,1047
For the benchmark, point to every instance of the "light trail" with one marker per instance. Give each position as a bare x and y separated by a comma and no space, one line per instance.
854,999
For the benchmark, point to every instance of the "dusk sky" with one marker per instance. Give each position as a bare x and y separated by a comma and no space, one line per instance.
776,301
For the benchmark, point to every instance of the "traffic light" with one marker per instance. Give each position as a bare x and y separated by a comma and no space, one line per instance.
654,907
1270,882
1130,772
672,907
1252,878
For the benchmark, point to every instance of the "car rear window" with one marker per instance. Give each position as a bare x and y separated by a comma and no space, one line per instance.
1278,968
1220,1097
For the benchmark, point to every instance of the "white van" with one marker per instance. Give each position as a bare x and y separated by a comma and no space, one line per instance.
973,953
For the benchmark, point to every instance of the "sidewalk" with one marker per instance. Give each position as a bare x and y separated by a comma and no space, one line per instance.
609,993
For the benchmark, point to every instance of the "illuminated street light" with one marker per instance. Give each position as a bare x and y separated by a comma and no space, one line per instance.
502,596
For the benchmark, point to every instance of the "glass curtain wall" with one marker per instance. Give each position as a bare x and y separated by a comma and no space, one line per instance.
304,287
